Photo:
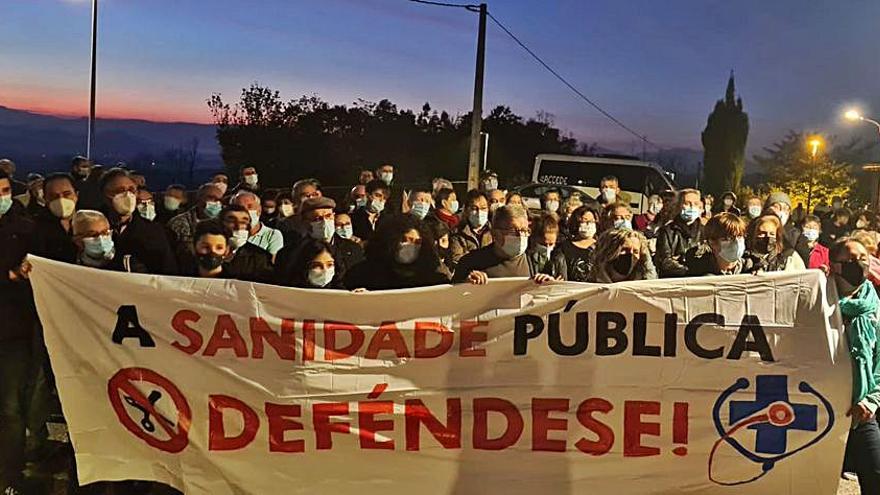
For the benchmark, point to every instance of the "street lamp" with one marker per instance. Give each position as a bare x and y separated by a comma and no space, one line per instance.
854,115
814,142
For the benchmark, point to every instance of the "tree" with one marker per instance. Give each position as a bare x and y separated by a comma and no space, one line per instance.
724,144
790,167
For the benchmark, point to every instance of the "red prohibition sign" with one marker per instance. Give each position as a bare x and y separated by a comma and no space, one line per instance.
123,382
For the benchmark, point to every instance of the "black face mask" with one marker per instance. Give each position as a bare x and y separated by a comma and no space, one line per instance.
210,261
853,272
765,245
623,264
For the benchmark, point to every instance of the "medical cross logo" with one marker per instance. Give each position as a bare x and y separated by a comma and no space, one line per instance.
772,416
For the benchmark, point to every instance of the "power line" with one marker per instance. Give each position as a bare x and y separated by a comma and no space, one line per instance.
570,86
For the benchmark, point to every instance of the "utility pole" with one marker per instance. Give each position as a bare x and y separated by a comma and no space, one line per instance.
477,117
91,136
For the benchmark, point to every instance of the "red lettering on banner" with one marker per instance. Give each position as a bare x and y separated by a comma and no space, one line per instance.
604,433
368,425
226,336
217,437
281,421
469,337
634,428
179,324
542,424
387,338
308,351
420,337
324,428
283,342
513,427
449,435
356,336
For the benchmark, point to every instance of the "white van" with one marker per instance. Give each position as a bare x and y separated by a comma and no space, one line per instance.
639,179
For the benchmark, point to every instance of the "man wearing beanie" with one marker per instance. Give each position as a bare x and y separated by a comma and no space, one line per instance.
779,204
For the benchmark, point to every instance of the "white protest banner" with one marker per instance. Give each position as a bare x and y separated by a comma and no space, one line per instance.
713,385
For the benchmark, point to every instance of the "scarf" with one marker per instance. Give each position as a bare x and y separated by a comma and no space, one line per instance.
860,312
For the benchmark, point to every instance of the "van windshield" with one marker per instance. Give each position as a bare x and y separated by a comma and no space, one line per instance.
580,174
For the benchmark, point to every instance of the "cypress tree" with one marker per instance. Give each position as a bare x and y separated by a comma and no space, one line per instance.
724,144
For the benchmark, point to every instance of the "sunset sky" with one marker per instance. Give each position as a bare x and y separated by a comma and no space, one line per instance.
657,65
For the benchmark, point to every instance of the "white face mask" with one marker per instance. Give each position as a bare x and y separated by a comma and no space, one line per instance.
387,177
286,209
861,224
587,229
552,206
322,229
239,238
544,250
251,180
172,203
320,277
147,211
222,186
754,211
407,253
62,207
609,194
124,203
255,217
515,245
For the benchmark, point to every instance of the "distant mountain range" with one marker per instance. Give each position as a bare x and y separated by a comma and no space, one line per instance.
42,143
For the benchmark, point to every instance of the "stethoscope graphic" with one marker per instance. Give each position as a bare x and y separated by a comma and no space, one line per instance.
777,414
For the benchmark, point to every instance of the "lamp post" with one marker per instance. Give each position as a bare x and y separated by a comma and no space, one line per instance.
814,143
854,115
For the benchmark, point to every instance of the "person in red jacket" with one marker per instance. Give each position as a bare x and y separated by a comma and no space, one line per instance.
814,254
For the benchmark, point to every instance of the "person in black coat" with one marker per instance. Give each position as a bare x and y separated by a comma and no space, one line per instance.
52,237
366,219
245,261
400,256
95,247
678,236
86,177
313,267
132,235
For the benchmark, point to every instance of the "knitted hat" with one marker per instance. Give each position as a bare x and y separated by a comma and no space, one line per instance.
777,197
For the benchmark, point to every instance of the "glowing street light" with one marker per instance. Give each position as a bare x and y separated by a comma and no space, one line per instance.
853,115
815,143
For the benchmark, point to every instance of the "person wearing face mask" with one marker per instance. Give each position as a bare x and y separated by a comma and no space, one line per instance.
497,199
863,220
869,239
609,192
571,203
270,210
146,207
8,166
475,231
811,251
52,231
767,250
859,305
754,207
292,228
420,203
622,255
144,240
681,234
727,204
344,228
221,181
618,216
708,208
314,267
396,202
284,200
211,249
400,256
85,180
446,208
442,244
270,239
249,181
577,252
837,228
550,201
722,248
17,333
181,228
646,222
319,218
357,197
95,247
173,203
33,200
244,261
365,220
506,256
779,204
542,247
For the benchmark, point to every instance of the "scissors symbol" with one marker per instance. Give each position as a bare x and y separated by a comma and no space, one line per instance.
146,423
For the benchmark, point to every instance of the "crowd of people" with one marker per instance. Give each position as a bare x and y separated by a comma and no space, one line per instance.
383,236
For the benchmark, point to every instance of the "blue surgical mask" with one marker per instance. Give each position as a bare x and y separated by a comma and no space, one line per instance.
346,231
623,223
732,249
5,203
321,277
690,214
255,217
453,206
755,211
99,248
212,208
544,250
360,202
587,229
322,230
811,234
478,218
420,209
377,205
515,245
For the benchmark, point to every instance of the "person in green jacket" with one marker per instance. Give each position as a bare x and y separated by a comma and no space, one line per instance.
859,307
